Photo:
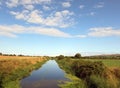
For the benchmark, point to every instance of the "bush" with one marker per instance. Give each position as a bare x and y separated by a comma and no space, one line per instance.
98,82
0,54
60,57
84,69
78,55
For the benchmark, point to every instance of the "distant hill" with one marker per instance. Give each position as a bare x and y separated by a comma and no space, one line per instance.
108,55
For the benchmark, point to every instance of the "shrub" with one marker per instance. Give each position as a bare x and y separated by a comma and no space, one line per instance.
98,82
84,69
78,55
60,57
0,54
116,72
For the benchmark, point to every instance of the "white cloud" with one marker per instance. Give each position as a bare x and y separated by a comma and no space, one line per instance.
48,31
35,1
60,19
66,4
81,6
13,30
7,34
29,7
15,3
99,5
35,17
12,3
20,15
92,13
46,8
81,36
103,32
0,2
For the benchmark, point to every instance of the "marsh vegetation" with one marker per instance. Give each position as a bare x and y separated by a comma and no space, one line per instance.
91,73
65,72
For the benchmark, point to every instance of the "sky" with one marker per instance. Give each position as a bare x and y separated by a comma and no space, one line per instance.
54,27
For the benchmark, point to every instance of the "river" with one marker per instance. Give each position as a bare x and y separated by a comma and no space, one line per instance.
47,76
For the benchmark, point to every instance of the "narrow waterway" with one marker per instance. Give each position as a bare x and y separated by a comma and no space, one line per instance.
48,76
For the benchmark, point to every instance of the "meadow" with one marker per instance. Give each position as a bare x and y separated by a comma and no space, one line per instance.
14,68
107,62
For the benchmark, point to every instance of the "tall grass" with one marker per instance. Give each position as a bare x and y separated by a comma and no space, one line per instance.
12,69
74,82
91,74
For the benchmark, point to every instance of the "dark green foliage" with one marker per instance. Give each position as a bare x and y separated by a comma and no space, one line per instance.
60,57
0,53
78,55
84,69
20,55
97,82
7,54
12,55
0,80
117,72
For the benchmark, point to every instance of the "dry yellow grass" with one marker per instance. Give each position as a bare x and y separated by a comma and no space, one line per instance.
18,57
10,63
31,60
14,68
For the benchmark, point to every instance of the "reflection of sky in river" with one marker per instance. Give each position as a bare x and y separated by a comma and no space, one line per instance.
44,77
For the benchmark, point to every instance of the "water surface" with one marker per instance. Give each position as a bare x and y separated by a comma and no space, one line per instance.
48,76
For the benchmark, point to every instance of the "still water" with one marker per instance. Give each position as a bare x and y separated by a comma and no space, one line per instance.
48,76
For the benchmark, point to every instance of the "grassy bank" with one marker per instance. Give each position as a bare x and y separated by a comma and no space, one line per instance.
90,74
13,69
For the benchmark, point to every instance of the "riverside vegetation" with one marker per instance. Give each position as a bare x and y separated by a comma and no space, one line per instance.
83,72
90,73
14,68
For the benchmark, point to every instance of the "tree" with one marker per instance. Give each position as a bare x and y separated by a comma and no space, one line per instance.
60,57
0,54
77,55
20,55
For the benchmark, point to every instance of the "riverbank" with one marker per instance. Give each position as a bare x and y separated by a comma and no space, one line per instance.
14,68
89,74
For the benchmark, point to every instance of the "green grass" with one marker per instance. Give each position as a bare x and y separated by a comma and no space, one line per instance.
74,83
107,62
100,82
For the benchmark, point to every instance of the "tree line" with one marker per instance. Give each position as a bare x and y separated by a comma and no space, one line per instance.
1,54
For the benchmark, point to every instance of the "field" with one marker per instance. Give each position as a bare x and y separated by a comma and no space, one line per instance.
107,62
14,68
11,63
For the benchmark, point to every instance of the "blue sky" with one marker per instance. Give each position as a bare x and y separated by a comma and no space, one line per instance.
54,27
